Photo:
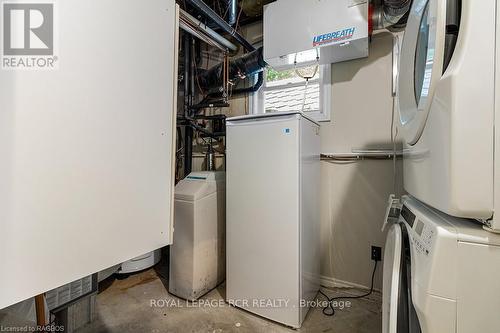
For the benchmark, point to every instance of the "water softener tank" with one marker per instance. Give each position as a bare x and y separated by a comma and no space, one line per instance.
197,256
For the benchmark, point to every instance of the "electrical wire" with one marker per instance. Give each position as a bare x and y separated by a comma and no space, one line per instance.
329,310
306,77
394,128
305,96
394,135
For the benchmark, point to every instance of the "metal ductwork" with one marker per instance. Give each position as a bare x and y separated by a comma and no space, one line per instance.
391,14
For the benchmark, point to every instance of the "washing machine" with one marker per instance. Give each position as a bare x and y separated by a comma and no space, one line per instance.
446,102
441,274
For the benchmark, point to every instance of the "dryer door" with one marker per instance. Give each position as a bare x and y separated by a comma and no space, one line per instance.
421,64
398,312
407,315
392,277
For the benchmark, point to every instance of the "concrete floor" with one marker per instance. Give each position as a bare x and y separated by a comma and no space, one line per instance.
125,306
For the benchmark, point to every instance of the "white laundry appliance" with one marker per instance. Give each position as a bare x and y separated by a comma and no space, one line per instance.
273,230
446,98
441,274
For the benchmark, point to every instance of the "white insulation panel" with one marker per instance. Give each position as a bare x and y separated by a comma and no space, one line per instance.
86,178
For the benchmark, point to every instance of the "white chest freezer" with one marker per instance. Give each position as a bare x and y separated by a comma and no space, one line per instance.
273,170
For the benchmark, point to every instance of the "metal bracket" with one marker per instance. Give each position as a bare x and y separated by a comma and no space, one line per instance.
362,154
492,225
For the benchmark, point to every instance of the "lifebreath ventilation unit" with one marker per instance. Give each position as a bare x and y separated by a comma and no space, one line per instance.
301,33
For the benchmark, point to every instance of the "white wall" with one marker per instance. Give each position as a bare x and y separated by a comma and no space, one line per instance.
354,195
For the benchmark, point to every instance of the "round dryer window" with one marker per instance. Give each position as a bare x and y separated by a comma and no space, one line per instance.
421,65
424,58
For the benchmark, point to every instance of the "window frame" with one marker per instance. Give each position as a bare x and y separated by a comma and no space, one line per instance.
256,103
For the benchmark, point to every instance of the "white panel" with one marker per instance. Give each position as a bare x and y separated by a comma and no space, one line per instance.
496,194
478,288
87,171
263,214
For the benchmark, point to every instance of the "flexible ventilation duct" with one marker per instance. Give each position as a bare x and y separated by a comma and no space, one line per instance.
391,14
394,10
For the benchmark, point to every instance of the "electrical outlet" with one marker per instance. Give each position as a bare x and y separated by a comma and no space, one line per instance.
376,253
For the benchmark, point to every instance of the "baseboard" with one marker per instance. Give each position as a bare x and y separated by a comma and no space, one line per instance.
329,282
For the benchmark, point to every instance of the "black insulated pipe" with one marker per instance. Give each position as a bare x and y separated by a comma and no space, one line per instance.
232,7
219,21
252,89
209,13
239,68
215,97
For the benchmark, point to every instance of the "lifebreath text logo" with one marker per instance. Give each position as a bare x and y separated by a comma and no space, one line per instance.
334,37
28,36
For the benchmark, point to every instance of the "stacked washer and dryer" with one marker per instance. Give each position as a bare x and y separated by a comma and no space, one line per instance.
442,258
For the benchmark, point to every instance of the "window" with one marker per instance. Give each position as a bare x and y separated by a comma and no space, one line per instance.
289,90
